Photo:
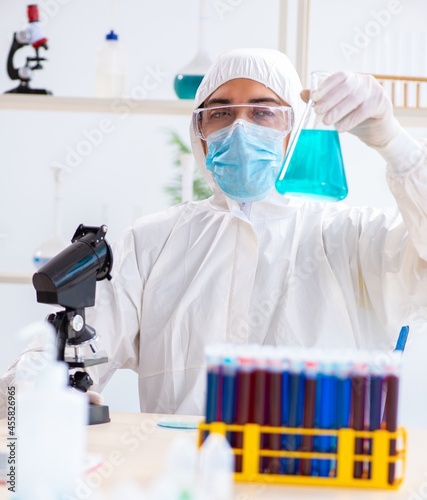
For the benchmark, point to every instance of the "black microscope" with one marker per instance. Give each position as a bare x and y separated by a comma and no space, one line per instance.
69,280
34,36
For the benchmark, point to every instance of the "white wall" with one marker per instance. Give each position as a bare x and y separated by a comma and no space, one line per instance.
381,37
124,176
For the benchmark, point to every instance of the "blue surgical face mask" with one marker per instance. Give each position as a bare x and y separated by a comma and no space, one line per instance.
245,159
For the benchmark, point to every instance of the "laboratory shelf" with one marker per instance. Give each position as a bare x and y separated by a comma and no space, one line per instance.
27,102
408,117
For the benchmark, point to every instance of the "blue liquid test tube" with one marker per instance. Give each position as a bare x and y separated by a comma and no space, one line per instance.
296,403
212,395
327,418
228,380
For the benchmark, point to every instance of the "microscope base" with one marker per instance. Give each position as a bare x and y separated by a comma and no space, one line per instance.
24,89
98,414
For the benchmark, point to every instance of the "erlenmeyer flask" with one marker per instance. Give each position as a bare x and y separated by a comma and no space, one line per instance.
313,166
189,77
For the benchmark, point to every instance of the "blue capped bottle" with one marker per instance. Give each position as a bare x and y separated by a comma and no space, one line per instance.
111,70
313,166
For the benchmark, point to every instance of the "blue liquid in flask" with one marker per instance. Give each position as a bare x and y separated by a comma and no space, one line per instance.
186,85
316,168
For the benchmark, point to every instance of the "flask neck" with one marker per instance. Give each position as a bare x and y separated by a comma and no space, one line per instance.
314,120
204,24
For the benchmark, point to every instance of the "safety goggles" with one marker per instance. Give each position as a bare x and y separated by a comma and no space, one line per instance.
209,120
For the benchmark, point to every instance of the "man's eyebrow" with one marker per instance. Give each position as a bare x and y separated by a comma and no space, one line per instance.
213,102
257,100
262,100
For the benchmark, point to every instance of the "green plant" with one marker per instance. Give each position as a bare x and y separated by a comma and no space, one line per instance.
200,188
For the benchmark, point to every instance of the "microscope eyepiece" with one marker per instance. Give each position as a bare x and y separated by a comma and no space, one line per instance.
69,278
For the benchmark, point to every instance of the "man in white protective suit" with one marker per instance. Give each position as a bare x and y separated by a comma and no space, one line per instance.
249,265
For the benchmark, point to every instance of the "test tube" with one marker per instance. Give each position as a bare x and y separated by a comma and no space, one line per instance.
359,381
376,381
228,392
245,366
327,418
391,407
311,370
258,398
213,383
296,402
274,406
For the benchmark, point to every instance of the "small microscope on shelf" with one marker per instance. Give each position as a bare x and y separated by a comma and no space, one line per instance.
34,36
69,280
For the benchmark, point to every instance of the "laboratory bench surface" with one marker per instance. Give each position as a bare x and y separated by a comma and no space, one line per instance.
133,446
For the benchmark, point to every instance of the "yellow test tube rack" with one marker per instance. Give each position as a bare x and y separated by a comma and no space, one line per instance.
344,458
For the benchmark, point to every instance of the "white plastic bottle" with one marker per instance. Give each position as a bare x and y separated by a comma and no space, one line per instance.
111,68
216,469
51,430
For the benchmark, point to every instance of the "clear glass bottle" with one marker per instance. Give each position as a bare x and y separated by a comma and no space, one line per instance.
313,166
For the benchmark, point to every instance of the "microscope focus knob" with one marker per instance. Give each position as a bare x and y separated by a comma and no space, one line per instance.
77,323
25,73
23,36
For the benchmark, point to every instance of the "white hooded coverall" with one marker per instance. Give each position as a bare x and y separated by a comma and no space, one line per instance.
280,271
